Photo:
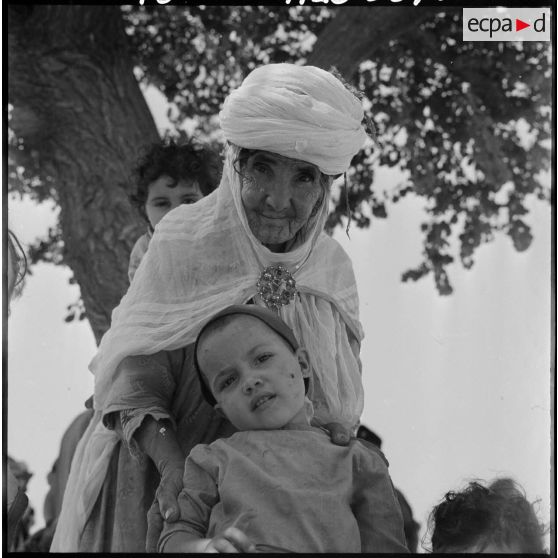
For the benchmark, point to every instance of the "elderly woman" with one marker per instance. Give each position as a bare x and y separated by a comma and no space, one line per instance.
257,239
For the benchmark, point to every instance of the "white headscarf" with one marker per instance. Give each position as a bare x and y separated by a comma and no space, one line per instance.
301,112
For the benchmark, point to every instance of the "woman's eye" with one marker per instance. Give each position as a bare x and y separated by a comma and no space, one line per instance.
260,167
306,177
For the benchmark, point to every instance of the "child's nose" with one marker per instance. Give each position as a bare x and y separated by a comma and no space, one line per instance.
250,384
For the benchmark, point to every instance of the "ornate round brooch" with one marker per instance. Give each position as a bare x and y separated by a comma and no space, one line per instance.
276,286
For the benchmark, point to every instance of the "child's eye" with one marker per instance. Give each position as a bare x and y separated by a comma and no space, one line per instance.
226,382
161,203
189,200
263,357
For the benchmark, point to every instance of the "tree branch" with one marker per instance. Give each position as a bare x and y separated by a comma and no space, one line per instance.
367,27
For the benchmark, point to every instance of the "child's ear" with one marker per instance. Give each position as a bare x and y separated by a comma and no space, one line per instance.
303,360
219,411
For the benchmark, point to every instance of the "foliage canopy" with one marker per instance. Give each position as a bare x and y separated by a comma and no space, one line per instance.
467,124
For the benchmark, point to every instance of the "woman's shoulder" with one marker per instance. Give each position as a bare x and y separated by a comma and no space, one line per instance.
327,243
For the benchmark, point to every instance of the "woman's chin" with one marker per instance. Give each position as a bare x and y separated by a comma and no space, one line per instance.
275,247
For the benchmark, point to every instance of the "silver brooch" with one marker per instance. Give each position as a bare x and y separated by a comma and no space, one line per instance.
276,286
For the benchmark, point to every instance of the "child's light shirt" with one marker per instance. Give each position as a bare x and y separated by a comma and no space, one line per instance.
137,253
301,493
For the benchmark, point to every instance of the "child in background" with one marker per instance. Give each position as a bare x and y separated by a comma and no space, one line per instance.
279,484
168,175
493,519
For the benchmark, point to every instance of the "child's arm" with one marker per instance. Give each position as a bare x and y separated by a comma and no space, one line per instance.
375,505
198,497
137,253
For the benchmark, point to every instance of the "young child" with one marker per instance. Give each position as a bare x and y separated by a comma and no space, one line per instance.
494,519
278,484
168,175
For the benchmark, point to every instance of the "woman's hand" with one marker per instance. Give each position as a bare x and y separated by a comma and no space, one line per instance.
169,489
339,433
165,504
158,441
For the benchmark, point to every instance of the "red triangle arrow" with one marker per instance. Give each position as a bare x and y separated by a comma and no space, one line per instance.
519,25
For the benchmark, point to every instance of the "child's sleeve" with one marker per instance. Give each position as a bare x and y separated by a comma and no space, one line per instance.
375,504
136,255
198,496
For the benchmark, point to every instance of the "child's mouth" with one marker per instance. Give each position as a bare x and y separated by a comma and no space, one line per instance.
258,402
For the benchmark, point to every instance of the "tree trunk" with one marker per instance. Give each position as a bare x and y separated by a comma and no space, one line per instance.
79,111
356,31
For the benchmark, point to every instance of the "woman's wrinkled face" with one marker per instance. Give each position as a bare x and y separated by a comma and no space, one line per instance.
279,196
165,194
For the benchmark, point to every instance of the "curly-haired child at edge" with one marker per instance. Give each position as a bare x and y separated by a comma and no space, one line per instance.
169,174
496,518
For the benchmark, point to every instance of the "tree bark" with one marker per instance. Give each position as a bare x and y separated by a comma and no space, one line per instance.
78,108
355,32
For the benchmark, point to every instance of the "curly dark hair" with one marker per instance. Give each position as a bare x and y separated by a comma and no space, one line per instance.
478,516
18,263
184,160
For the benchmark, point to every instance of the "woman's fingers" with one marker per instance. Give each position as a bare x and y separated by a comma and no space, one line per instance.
167,505
154,527
340,434
167,494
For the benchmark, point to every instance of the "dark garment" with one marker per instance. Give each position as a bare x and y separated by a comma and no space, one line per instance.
16,504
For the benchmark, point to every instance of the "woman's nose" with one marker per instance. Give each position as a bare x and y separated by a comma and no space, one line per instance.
278,196
250,384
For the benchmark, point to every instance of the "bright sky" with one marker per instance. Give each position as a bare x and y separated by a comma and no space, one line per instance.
458,387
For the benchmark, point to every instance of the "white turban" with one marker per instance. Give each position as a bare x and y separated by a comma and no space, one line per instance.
301,112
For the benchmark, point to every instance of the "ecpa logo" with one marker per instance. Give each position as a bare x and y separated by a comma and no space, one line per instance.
506,24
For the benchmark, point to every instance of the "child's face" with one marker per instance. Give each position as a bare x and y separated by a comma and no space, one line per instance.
161,198
255,377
